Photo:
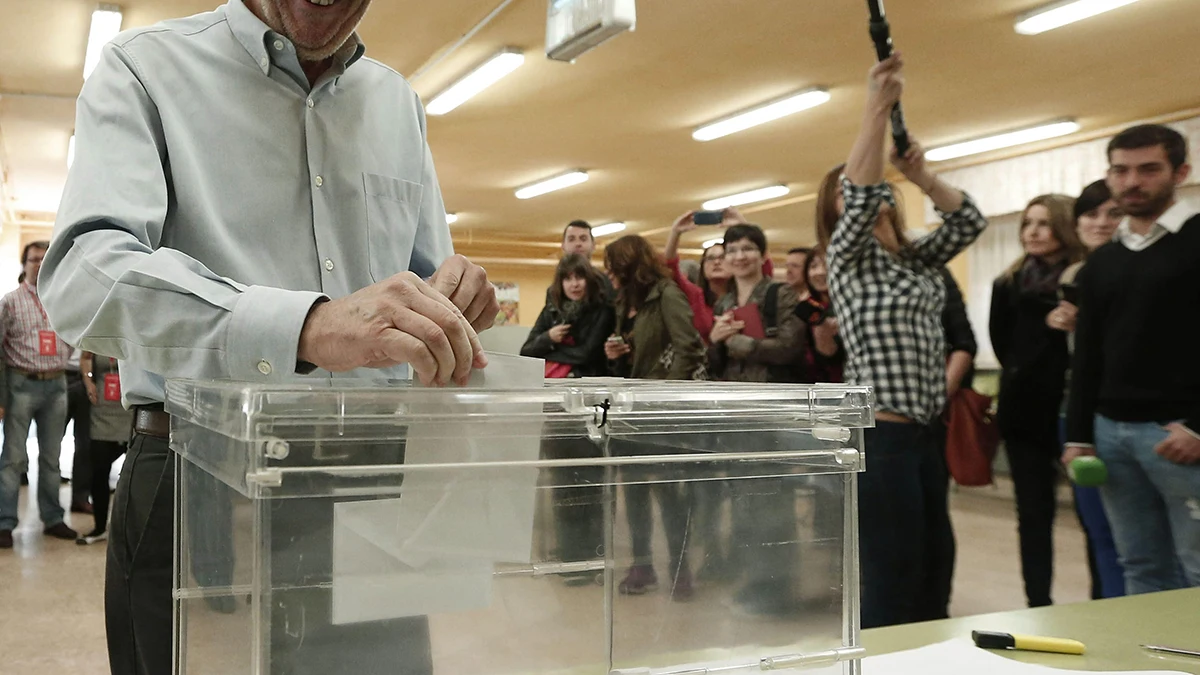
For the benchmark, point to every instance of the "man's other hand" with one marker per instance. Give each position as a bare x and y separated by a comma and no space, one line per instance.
400,320
467,286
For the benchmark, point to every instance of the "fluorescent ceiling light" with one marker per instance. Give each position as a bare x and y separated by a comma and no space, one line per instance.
712,242
760,195
1006,140
1060,14
770,112
71,151
106,24
491,72
605,230
451,218
550,185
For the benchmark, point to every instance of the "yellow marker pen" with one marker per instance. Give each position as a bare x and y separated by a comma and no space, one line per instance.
1029,643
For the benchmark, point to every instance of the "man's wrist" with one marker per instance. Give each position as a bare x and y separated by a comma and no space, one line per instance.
309,339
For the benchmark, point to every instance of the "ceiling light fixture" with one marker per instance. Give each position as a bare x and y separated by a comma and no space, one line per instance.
106,24
760,195
566,180
605,230
492,71
1060,14
451,218
70,152
712,242
1005,140
809,98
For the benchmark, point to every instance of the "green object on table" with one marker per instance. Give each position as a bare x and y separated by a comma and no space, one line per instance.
1088,471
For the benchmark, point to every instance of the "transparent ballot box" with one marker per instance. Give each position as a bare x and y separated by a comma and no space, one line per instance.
575,527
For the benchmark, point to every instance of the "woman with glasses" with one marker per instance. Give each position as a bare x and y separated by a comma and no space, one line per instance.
773,349
714,278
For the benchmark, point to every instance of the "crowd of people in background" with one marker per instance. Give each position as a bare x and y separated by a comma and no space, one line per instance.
1092,327
870,304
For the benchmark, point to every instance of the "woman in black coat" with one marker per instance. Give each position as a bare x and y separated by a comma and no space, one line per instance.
570,332
1034,362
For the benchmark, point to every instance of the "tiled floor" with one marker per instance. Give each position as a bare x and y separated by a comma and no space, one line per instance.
51,592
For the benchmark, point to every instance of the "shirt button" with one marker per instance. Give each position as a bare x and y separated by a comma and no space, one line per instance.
329,265
311,103
265,62
319,181
279,45
264,367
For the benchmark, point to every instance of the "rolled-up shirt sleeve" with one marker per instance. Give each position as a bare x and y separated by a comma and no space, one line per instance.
107,285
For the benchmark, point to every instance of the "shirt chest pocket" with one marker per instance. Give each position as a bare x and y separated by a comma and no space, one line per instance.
392,206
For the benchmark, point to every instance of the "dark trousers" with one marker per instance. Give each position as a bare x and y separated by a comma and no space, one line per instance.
906,539
675,502
1035,472
104,453
138,605
578,496
79,410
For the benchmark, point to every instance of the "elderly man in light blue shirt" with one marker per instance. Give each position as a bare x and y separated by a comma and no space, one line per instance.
252,199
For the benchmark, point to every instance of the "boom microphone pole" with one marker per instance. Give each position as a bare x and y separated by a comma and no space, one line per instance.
881,35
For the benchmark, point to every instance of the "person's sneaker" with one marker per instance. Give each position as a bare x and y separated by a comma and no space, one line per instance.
61,531
641,578
81,506
6,539
92,537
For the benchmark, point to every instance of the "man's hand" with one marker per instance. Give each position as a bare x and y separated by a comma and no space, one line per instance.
92,394
724,328
1073,452
1180,446
467,286
885,84
399,320
559,333
615,350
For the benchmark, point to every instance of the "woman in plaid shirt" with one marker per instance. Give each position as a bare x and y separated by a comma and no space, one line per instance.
888,296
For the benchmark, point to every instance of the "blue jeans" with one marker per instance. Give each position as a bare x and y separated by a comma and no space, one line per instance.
43,401
906,539
1153,505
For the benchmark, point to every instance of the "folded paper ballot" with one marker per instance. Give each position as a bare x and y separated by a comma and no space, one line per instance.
956,657
434,548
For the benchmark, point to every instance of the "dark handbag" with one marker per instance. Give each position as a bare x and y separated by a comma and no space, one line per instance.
972,438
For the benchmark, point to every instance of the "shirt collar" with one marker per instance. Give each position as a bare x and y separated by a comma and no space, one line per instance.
1171,220
1176,216
254,35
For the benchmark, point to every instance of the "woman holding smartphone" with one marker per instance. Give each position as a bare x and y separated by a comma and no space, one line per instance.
888,296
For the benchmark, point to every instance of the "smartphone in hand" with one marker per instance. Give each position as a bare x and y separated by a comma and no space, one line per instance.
708,217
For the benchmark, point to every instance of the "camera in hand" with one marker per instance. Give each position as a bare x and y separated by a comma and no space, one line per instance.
708,217
812,312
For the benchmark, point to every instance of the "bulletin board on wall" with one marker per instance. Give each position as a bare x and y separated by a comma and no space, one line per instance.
508,294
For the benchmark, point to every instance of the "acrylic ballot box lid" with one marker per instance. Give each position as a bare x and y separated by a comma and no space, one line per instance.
269,417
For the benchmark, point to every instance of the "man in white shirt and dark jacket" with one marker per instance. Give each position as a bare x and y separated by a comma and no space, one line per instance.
1135,384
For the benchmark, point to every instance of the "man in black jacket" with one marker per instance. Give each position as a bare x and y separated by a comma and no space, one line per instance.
1135,387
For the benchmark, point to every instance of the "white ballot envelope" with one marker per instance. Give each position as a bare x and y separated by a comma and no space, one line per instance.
434,548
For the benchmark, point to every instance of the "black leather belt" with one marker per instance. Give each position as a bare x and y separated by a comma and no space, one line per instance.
150,422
